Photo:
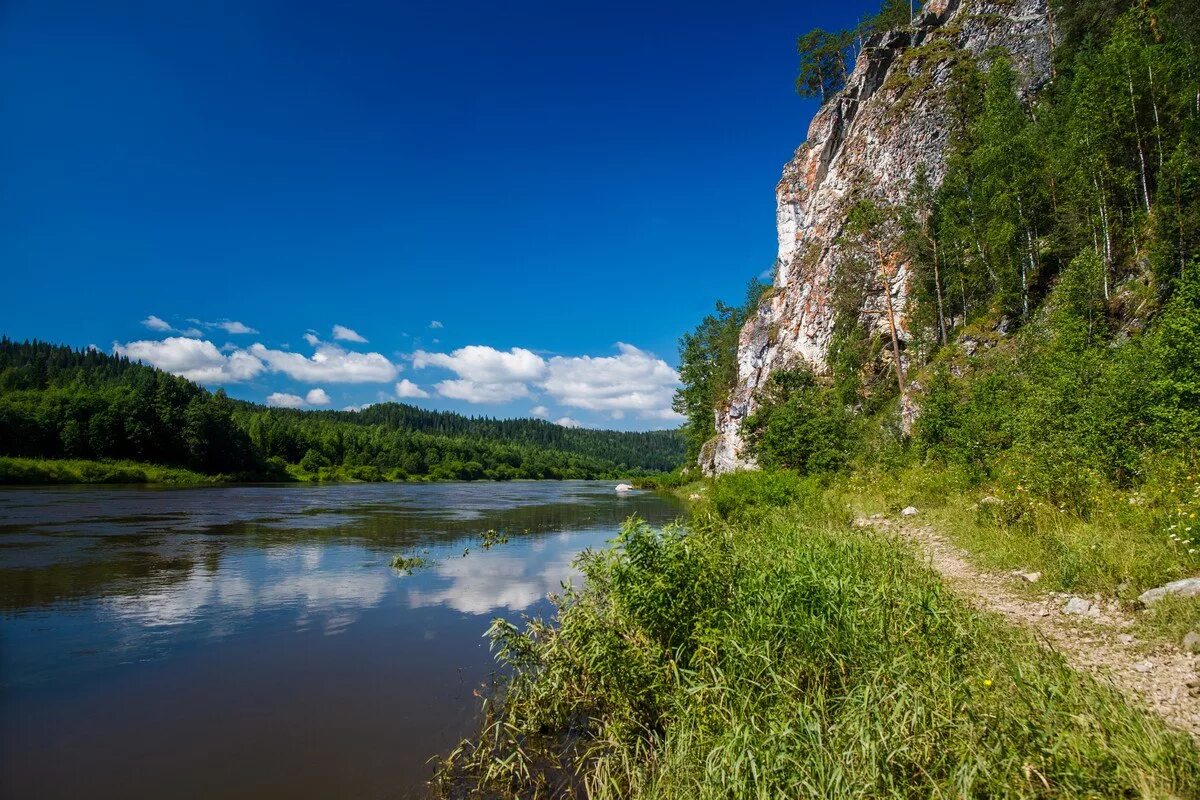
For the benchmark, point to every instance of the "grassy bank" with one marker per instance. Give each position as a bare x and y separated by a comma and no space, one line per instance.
32,471
771,650
1127,541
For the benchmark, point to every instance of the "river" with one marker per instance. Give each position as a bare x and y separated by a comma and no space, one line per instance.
254,641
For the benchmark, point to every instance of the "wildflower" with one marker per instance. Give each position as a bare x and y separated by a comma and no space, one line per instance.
987,681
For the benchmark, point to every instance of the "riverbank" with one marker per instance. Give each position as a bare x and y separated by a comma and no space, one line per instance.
17,471
41,471
774,648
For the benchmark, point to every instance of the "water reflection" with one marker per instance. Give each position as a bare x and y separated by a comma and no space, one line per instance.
265,628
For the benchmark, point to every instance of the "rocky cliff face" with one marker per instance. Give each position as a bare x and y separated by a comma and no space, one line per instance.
869,140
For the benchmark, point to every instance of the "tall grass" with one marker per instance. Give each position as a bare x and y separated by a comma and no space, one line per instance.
1128,541
767,651
31,471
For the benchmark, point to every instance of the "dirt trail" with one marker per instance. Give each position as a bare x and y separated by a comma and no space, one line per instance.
1098,641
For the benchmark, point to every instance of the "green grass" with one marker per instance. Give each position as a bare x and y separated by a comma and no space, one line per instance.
44,470
1130,540
775,651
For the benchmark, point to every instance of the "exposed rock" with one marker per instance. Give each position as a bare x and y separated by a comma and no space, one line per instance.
624,487
1188,587
1030,577
1143,666
1077,605
1191,642
890,121
909,511
1125,638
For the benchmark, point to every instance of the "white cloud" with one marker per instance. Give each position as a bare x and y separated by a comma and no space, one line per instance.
567,422
358,408
474,392
194,359
344,334
330,364
162,326
408,389
634,381
232,326
541,412
284,400
435,324
317,397
312,338
485,374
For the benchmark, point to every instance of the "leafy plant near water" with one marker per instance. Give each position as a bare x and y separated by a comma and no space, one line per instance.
408,564
772,651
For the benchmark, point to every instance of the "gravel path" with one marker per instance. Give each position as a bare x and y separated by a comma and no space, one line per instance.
1161,677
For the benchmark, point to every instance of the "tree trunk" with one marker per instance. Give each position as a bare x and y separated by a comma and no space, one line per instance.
887,294
1137,132
937,285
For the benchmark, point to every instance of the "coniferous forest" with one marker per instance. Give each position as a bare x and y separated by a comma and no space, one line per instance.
60,403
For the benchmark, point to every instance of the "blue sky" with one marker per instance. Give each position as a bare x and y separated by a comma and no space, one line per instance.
513,208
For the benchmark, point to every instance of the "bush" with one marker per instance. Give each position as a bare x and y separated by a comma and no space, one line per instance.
740,493
799,425
314,461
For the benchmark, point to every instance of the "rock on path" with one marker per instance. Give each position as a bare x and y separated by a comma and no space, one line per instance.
1092,639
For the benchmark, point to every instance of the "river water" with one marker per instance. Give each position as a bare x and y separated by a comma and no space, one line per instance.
254,641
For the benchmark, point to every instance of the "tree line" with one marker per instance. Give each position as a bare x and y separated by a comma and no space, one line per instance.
58,402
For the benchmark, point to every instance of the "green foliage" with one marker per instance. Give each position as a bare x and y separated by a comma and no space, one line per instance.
750,492
799,425
408,564
827,58
796,656
31,471
708,367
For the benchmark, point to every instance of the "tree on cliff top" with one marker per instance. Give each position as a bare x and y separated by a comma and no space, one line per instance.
827,58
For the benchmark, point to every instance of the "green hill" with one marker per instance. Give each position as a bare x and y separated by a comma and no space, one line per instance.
61,403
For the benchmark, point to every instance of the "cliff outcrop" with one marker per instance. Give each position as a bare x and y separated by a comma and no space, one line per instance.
892,120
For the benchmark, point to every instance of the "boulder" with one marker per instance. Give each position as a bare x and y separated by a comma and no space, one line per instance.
909,511
1077,605
1191,642
1188,587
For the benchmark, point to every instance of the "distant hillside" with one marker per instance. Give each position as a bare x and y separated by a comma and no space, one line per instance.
57,402
656,450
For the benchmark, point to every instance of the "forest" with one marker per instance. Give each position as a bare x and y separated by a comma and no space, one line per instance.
61,403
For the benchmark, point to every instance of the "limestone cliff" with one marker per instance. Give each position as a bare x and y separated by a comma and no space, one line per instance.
870,139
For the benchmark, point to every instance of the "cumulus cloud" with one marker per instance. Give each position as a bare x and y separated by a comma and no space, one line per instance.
344,334
567,422
435,324
474,392
329,364
633,381
485,374
541,412
317,397
284,400
312,338
194,359
407,389
232,326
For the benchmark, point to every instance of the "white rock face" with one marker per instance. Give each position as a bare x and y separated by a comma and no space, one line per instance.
873,136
